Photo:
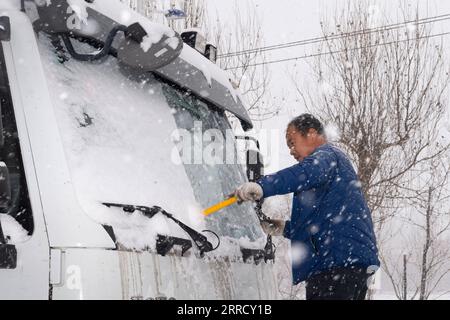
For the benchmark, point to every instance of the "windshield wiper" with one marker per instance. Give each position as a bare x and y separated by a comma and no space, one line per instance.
200,240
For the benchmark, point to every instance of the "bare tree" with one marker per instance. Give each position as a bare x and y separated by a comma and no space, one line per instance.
385,91
428,256
236,41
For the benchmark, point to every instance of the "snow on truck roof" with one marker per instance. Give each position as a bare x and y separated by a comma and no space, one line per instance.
190,69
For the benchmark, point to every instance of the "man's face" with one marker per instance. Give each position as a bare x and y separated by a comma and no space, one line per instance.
300,146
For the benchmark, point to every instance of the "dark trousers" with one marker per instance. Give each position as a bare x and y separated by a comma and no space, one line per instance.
338,284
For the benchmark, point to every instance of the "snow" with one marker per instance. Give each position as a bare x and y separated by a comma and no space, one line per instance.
411,27
173,42
10,4
121,13
13,231
155,34
332,132
298,253
113,159
209,69
79,7
116,131
326,88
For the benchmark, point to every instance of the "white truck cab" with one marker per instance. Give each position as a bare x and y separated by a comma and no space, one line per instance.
95,202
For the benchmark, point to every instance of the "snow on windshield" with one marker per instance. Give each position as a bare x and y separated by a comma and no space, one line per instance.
116,133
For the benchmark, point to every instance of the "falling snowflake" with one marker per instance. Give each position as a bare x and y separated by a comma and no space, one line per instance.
332,132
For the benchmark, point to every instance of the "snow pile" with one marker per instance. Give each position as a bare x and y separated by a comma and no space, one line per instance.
122,14
173,42
155,32
12,230
79,7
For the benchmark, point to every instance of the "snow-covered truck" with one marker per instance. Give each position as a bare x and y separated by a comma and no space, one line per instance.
94,200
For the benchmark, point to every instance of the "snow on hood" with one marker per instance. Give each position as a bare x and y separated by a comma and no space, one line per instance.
13,231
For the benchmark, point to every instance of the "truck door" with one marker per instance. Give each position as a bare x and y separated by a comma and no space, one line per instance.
24,249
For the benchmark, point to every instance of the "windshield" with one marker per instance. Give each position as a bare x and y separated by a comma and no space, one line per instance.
117,133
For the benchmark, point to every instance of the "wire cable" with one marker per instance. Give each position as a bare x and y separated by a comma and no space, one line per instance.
337,36
338,51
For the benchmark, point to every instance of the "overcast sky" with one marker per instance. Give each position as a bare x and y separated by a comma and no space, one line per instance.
293,20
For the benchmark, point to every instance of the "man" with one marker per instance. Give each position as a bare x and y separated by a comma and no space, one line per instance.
331,228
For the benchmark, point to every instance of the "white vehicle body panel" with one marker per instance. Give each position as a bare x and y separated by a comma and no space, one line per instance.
105,274
30,95
70,255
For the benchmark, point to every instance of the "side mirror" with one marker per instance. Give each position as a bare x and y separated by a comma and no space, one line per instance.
5,187
254,160
255,165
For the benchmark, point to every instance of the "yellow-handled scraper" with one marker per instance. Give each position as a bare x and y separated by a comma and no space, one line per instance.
220,206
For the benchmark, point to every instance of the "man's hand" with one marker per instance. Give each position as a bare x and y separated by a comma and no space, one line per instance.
249,191
273,227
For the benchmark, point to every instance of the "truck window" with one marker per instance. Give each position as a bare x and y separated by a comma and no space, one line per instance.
213,183
10,153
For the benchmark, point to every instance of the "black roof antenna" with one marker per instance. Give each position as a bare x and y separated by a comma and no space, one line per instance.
22,5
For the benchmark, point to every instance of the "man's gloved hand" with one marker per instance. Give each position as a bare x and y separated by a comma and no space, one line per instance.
249,191
273,227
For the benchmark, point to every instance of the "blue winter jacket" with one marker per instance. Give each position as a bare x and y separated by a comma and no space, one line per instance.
331,225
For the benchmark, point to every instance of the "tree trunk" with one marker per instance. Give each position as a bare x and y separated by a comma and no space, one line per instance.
426,247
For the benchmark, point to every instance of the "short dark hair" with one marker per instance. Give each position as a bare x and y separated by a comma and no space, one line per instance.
306,121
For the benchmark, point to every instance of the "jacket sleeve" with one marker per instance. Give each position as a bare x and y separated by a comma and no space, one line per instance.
312,172
287,230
